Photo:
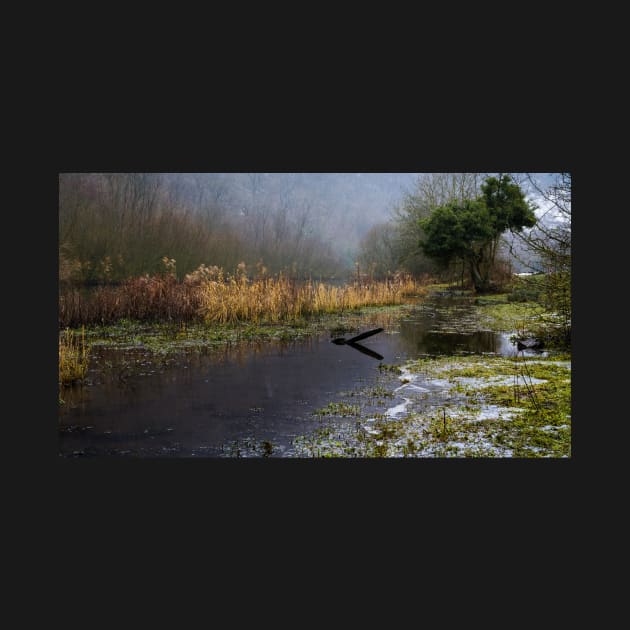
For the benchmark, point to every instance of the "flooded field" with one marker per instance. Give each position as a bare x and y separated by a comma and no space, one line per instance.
309,397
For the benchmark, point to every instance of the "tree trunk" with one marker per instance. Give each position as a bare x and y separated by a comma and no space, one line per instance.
480,281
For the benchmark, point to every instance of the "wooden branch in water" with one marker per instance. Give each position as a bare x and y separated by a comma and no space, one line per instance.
340,340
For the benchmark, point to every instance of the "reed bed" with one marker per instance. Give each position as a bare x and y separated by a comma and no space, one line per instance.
73,356
207,295
145,298
281,300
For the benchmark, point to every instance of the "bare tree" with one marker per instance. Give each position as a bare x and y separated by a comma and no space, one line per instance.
550,244
378,252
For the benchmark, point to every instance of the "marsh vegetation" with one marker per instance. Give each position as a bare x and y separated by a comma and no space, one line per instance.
183,356
74,354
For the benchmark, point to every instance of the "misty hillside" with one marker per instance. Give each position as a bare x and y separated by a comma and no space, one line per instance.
112,225
339,207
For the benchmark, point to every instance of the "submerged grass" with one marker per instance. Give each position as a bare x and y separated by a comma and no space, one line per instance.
169,337
130,346
338,409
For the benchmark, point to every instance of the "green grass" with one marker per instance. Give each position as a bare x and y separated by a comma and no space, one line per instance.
340,409
504,316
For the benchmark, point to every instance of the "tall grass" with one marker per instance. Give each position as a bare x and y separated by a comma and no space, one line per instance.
73,356
145,298
281,300
210,295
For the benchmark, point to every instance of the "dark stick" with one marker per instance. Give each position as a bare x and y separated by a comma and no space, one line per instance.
360,348
369,333
340,341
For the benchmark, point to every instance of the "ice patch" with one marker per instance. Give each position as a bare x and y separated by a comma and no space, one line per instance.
407,375
439,383
416,388
392,412
480,382
492,412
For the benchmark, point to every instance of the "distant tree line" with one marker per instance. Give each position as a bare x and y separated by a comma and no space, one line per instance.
113,226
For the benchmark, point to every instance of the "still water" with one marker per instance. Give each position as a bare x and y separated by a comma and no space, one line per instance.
205,405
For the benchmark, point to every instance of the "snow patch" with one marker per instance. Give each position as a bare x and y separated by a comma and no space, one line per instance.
551,427
392,412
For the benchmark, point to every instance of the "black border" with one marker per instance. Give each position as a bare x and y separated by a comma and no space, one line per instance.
305,143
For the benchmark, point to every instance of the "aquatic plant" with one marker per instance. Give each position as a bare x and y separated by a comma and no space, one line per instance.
338,409
73,356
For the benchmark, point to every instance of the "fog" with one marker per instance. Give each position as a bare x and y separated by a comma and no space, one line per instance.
338,207
298,223
116,225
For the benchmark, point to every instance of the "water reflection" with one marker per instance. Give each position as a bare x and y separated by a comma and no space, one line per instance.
364,350
419,342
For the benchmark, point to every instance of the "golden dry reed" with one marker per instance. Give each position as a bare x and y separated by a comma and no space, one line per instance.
73,356
210,295
281,300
